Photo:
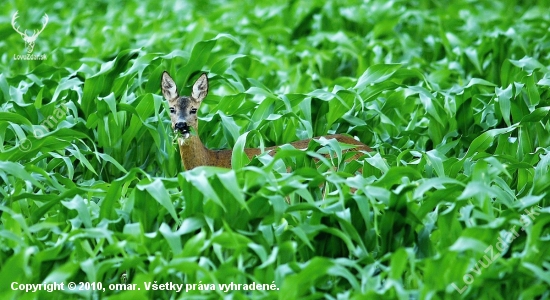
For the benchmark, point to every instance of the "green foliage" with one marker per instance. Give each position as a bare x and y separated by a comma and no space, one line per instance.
452,96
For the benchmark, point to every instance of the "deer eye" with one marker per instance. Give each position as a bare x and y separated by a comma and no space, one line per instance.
172,110
193,110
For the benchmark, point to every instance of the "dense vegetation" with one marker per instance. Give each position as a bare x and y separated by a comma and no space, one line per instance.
453,96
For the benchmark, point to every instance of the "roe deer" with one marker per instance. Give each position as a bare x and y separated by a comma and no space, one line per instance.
183,112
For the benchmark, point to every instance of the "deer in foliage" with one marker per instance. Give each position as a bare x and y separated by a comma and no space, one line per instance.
183,113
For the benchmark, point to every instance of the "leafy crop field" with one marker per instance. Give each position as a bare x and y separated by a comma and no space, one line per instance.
452,96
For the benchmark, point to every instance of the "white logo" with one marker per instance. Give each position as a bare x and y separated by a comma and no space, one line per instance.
29,40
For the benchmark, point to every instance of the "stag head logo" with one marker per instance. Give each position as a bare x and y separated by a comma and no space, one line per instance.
29,40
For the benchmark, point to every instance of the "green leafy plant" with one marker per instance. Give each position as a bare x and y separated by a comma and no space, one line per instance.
452,97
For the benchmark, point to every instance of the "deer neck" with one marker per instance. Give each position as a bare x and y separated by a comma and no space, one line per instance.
193,152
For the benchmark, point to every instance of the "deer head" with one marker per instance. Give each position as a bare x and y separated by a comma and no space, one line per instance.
29,40
183,109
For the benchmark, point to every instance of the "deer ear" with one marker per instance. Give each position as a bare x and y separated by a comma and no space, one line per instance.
168,87
200,88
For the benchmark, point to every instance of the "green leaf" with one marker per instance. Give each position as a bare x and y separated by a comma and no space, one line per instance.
376,74
504,97
157,190
486,139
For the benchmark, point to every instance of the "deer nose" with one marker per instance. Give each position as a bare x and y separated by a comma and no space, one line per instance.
180,126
